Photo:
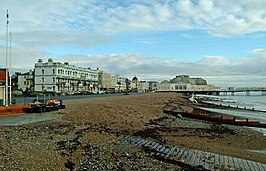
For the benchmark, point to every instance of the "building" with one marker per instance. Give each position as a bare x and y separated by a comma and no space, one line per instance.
63,78
144,86
148,86
153,85
121,83
184,83
3,86
106,81
2,76
26,81
14,80
135,84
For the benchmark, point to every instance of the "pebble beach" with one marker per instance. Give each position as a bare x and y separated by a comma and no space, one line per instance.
84,136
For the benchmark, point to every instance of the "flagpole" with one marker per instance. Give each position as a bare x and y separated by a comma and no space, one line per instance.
10,81
6,95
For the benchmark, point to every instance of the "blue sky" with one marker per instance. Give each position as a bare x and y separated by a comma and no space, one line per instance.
221,41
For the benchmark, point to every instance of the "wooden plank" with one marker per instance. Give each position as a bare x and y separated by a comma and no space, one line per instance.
240,163
207,160
176,151
138,141
189,155
226,164
251,166
151,144
162,149
132,140
148,143
182,156
263,166
222,160
231,162
159,147
126,141
121,137
212,161
256,166
167,149
236,163
193,157
170,152
198,154
179,154
155,145
141,144
202,156
216,159
246,167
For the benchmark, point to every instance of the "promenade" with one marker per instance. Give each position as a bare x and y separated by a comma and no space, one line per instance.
197,158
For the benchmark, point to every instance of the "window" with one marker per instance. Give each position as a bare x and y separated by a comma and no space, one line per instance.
53,71
58,71
53,79
42,71
25,82
43,80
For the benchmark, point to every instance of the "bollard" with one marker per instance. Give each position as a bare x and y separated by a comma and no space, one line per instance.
246,119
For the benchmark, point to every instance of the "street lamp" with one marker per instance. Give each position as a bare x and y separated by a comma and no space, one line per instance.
6,94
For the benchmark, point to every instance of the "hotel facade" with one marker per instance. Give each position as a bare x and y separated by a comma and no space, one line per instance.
61,78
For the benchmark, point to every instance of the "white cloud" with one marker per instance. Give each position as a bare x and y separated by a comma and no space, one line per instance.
222,71
218,17
37,25
22,59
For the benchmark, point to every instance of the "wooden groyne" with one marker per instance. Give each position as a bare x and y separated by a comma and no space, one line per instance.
218,119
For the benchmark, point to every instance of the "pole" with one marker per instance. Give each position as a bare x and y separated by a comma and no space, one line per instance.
10,81
6,94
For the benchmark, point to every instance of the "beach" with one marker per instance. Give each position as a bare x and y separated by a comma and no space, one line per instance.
84,136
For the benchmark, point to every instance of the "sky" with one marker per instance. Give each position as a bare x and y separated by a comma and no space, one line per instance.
223,42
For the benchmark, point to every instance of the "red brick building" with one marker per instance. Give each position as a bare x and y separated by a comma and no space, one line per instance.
2,76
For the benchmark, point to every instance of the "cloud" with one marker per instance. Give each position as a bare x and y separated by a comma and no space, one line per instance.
225,18
39,25
221,71
218,17
21,61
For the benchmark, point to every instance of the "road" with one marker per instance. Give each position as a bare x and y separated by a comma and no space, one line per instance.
25,100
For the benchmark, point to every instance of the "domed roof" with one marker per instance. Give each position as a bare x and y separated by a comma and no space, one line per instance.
165,81
135,79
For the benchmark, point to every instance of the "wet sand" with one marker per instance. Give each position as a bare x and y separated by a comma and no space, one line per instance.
84,135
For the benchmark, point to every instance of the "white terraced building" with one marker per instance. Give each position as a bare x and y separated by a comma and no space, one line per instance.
61,78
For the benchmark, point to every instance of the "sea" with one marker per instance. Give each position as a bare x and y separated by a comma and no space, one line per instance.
255,103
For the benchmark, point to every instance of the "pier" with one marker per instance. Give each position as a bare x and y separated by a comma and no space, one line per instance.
228,91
